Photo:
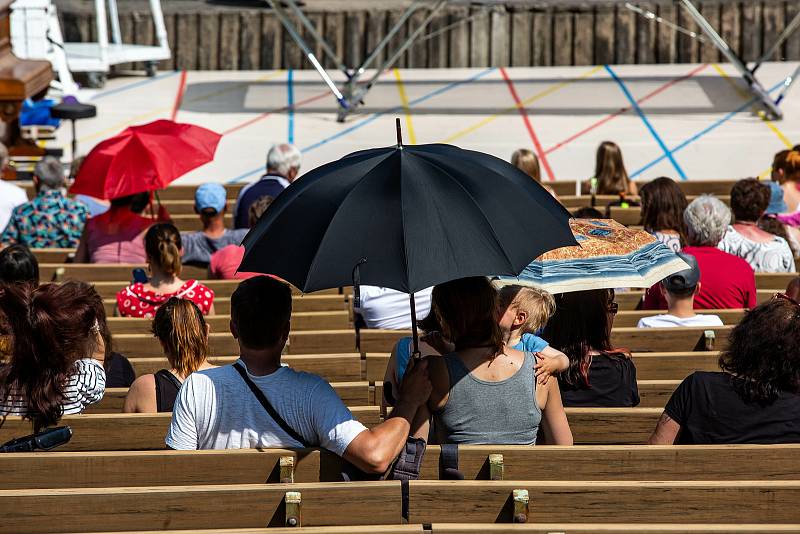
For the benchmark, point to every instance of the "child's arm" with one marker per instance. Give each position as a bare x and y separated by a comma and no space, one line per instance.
549,362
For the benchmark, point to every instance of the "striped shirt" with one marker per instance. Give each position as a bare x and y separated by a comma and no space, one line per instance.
84,387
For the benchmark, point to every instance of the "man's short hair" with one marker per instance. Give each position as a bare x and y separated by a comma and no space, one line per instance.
49,172
261,307
282,158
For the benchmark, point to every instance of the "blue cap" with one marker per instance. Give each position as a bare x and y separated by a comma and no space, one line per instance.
210,196
776,202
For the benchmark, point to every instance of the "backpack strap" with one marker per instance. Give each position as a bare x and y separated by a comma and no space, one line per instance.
268,407
448,463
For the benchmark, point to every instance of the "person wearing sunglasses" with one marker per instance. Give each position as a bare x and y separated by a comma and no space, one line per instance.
755,398
599,375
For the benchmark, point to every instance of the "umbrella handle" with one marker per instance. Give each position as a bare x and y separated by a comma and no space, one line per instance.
357,283
415,354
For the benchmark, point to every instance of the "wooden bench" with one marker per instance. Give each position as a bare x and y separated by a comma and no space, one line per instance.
519,462
500,528
775,282
305,303
630,318
379,503
634,339
186,206
96,272
325,320
191,222
222,288
52,255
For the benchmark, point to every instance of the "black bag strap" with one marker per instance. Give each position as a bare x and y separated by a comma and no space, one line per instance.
268,407
448,462
172,379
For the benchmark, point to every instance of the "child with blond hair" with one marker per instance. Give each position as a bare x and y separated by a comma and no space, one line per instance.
523,311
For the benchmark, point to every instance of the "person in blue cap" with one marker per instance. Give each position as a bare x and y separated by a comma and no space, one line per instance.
210,202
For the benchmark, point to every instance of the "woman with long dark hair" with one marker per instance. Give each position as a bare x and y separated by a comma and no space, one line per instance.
756,396
485,392
598,374
663,204
51,370
180,327
609,172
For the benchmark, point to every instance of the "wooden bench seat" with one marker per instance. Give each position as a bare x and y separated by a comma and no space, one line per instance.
325,320
97,272
542,462
631,338
590,426
500,528
379,503
305,303
630,318
191,222
222,288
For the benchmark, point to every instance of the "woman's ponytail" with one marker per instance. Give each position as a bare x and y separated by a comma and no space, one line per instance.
162,243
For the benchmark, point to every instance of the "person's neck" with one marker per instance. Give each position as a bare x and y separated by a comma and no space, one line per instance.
214,227
158,278
513,338
745,223
682,308
260,362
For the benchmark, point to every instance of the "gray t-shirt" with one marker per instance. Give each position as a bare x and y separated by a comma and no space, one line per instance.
198,247
215,409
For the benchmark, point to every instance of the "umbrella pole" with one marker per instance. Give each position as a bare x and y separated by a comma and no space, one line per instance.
415,334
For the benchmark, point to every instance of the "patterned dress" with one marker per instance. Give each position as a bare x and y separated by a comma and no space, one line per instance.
773,256
51,220
136,301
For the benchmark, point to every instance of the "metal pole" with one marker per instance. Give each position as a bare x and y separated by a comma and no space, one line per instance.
755,87
113,14
415,333
785,34
787,84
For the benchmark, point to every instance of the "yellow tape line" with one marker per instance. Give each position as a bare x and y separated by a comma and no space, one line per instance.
538,96
761,115
401,89
116,128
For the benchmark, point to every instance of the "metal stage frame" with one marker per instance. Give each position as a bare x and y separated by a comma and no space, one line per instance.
352,93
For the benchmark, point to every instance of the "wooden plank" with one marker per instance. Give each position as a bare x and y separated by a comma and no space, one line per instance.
170,24
583,45
351,393
186,207
354,38
225,288
625,36
292,56
459,38
751,36
118,272
774,281
610,528
712,12
331,367
792,45
417,52
185,51
668,339
229,33
612,426
52,255
646,37
772,16
603,38
394,43
437,45
127,33
208,41
666,37
250,40
376,30
318,22
322,341
630,318
190,507
521,37
543,40
222,305
767,502
349,529
629,300
500,46
327,320
479,35
271,44
656,393
562,38
688,47
673,365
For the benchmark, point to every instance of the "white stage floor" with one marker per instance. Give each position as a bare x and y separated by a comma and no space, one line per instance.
688,121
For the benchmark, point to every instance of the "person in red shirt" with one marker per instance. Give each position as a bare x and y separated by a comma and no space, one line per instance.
225,262
726,281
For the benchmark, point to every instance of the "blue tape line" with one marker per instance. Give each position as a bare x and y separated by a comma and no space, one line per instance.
706,130
134,85
373,118
290,103
646,122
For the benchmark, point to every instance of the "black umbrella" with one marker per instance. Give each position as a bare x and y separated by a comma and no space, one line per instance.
407,218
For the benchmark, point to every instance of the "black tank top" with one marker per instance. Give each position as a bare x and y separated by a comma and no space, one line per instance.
167,386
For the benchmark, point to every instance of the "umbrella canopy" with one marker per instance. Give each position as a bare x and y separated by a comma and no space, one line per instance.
609,256
144,158
419,216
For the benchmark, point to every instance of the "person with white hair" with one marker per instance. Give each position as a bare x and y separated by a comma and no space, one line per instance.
726,281
51,220
283,167
11,195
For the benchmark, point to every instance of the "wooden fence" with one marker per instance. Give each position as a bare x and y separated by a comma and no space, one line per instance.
208,36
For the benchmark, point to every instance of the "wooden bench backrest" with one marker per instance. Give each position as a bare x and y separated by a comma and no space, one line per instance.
326,320
630,318
308,303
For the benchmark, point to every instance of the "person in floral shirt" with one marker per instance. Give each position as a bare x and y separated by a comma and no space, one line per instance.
51,220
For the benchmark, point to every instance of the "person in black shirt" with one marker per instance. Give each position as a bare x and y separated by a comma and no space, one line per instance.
598,375
756,397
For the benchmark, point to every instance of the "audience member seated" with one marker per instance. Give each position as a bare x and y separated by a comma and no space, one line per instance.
663,204
51,220
523,312
598,374
183,333
527,161
283,166
382,307
726,281
116,235
97,206
786,171
765,252
210,202
162,245
119,371
18,265
11,195
679,290
55,338
225,262
485,392
756,397
587,213
610,176
221,409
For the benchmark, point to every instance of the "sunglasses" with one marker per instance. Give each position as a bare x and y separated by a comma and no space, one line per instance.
613,308
784,296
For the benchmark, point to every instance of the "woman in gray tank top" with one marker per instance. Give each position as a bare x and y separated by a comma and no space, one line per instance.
484,392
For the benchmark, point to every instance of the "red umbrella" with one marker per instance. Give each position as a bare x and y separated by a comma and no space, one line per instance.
144,158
